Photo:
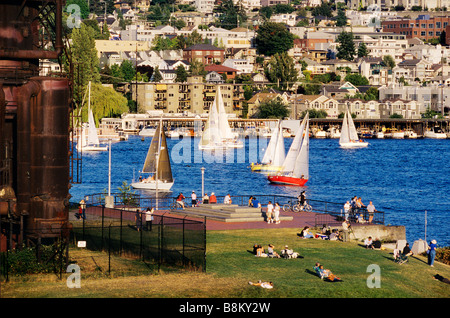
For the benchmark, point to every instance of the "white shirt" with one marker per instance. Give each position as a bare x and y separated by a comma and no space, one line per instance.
227,199
270,208
193,196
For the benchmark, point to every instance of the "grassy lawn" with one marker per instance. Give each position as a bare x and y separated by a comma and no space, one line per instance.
231,265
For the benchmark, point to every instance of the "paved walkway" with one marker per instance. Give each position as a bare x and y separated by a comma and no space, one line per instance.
300,220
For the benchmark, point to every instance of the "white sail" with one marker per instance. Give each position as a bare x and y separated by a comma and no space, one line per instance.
279,153
353,135
92,131
301,167
224,126
345,136
289,162
270,150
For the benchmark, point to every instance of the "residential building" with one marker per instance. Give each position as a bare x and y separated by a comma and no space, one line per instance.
205,6
229,72
317,102
268,3
205,53
120,46
285,18
241,65
194,96
363,109
424,27
259,98
430,96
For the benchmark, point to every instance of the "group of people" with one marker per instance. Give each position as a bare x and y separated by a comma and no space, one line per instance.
206,199
286,253
354,209
273,213
370,243
146,216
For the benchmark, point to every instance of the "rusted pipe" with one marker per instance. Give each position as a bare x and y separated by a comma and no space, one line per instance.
25,97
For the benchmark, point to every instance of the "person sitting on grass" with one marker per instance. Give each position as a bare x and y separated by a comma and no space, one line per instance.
268,285
305,233
271,253
326,273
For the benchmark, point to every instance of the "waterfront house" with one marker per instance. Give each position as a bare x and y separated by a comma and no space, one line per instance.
317,102
262,97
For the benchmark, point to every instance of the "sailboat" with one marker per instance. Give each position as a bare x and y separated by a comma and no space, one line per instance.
89,141
295,169
217,133
157,164
275,154
349,136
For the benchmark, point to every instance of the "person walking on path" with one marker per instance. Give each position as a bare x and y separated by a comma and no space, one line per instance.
276,211
194,198
432,252
346,210
149,218
138,220
269,212
83,209
371,209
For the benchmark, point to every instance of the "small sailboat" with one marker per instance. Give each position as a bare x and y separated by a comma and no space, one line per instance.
349,135
157,165
217,133
295,169
89,141
274,155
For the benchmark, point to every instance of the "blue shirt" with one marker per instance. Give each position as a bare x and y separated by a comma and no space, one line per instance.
432,247
255,203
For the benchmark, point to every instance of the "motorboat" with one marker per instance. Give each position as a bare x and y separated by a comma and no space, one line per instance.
435,132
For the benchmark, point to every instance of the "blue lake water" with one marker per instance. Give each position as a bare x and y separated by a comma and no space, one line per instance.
404,178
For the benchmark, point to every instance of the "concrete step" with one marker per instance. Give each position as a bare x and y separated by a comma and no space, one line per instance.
227,213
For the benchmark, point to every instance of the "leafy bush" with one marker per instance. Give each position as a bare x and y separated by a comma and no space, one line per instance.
443,255
24,261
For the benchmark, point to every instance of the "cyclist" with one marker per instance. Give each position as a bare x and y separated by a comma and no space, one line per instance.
302,198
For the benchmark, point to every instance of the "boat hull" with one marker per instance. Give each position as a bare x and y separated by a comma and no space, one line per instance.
92,148
353,145
224,145
265,168
151,185
286,180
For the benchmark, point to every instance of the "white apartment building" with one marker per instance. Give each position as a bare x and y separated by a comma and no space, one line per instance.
285,18
242,65
205,6
427,96
380,44
235,38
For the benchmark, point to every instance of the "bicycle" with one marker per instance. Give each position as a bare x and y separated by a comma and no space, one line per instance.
175,205
297,207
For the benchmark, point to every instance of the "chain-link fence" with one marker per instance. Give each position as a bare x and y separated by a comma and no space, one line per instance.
171,241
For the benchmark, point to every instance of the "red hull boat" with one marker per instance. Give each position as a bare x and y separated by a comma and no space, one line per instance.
287,180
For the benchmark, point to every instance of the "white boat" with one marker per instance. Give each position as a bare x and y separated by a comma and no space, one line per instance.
349,135
295,169
333,132
88,141
319,133
217,133
274,155
380,135
394,133
436,133
410,134
157,165
147,131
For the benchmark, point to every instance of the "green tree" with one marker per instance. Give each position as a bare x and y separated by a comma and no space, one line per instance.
324,9
266,12
281,70
389,61
362,50
157,77
82,4
197,68
84,59
315,113
272,38
106,102
346,46
341,18
231,15
181,74
274,108
127,70
357,79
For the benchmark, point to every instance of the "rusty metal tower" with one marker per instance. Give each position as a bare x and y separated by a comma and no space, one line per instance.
34,120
